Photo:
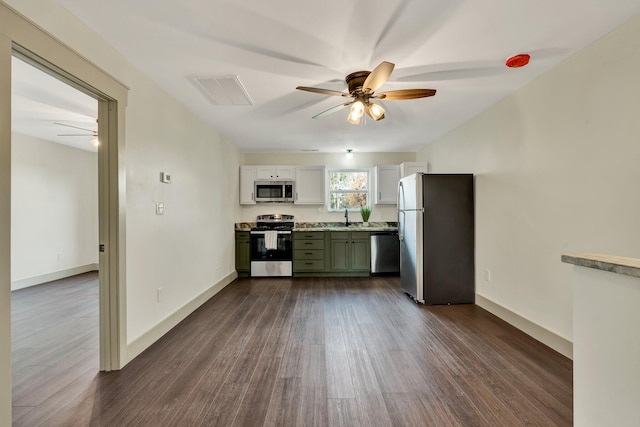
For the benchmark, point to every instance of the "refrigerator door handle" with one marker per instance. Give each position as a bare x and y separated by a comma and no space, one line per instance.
398,200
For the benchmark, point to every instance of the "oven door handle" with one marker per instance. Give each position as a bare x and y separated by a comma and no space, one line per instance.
279,232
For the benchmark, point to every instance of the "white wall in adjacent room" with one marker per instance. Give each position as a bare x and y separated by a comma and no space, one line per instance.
305,213
54,208
556,169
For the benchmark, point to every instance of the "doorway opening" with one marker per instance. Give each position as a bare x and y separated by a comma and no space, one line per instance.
54,235
108,194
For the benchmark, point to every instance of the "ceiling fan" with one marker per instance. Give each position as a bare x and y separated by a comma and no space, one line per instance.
362,86
93,132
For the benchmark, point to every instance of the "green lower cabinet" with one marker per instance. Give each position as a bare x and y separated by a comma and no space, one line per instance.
308,253
350,252
243,253
361,254
340,254
329,253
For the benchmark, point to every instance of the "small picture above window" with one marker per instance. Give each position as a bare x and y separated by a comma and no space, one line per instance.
348,189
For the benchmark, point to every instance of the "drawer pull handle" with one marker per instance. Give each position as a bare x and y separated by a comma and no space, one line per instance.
308,253
308,263
308,243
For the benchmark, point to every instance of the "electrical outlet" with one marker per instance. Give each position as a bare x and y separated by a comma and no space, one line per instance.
159,208
59,256
159,295
487,275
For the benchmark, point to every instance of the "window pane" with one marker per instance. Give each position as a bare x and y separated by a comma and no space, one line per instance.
338,201
348,180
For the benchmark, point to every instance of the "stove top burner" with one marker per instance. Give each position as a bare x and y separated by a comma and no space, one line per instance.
270,226
275,218
274,222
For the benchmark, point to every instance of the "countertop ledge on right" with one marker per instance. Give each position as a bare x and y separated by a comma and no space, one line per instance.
611,263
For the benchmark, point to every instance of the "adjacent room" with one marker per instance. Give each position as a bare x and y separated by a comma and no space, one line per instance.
361,213
54,235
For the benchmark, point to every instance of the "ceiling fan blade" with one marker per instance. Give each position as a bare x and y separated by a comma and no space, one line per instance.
378,76
332,110
75,127
401,94
324,91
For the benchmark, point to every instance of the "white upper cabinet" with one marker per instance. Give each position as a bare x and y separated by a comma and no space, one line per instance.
310,185
387,177
247,180
409,168
275,173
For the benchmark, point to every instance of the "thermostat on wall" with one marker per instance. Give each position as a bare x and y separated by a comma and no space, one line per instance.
165,177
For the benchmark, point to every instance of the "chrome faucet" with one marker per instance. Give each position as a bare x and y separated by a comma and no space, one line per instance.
346,217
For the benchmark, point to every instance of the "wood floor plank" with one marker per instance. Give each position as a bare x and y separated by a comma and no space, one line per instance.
287,352
284,403
254,406
344,413
339,382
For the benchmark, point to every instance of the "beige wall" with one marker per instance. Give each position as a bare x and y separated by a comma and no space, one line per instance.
556,167
331,161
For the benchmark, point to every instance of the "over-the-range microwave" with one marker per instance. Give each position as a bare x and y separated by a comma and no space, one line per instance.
274,191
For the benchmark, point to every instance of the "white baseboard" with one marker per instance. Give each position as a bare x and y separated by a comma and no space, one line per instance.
49,277
556,342
141,343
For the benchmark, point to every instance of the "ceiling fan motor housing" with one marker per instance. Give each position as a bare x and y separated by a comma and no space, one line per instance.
355,81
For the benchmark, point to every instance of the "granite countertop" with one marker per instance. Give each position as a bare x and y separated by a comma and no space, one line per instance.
329,226
355,226
611,263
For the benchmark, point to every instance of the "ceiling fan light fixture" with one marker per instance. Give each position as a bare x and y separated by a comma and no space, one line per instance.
356,112
95,142
349,153
376,112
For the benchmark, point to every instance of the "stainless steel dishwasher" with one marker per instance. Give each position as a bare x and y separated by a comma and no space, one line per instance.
385,252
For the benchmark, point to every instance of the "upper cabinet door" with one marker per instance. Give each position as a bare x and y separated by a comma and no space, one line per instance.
387,177
409,168
275,173
247,180
310,185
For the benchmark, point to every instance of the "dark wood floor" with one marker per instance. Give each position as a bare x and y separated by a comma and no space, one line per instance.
294,352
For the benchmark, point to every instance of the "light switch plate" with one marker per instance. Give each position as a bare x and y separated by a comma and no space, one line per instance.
159,208
165,177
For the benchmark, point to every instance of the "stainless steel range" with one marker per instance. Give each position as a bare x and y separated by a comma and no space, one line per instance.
272,246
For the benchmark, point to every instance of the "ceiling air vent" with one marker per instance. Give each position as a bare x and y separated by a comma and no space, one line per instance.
223,90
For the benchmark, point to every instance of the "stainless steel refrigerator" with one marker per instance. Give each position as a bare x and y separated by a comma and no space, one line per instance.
436,232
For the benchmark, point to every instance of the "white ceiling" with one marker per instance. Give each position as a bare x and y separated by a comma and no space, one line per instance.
456,47
44,107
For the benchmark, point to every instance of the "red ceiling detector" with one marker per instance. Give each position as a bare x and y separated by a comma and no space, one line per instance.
518,61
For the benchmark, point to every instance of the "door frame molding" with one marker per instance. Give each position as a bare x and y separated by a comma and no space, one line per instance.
29,42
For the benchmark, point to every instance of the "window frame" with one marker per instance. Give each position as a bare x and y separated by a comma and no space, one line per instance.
330,191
